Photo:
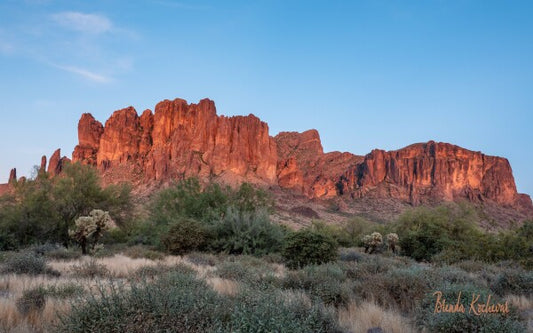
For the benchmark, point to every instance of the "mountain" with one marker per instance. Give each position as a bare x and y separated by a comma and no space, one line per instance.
180,140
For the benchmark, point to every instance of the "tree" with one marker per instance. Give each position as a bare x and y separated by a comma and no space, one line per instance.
89,229
44,208
306,247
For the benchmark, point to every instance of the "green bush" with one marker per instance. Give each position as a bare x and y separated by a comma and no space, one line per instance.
306,247
184,235
425,232
247,233
27,263
188,199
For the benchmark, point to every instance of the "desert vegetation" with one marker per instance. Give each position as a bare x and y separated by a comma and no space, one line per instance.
207,258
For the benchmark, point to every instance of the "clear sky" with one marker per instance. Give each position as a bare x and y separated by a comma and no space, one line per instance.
366,74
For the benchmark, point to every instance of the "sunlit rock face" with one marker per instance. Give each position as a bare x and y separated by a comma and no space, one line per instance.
433,171
180,140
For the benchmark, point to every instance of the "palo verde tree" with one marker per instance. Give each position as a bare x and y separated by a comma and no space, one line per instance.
43,209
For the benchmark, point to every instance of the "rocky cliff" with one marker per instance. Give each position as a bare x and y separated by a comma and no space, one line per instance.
180,140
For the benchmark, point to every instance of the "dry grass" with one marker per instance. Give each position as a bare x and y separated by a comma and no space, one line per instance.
223,286
359,318
11,320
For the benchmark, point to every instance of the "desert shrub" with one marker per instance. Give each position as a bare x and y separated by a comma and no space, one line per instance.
269,311
90,269
62,253
176,302
467,321
370,265
451,275
406,287
306,247
236,270
63,291
32,300
153,271
202,259
248,232
27,262
139,251
350,255
513,281
328,282
184,235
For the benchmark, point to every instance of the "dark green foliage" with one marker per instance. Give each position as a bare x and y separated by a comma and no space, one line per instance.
185,235
449,234
247,232
468,321
425,232
188,199
43,209
32,300
306,247
27,262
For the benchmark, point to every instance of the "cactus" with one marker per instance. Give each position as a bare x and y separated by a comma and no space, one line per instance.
372,242
89,229
392,241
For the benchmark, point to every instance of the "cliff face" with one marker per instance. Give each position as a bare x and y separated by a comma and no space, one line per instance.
438,171
180,140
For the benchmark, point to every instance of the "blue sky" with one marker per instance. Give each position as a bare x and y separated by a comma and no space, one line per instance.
366,74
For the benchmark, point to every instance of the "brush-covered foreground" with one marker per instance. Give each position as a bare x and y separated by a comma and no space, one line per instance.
139,290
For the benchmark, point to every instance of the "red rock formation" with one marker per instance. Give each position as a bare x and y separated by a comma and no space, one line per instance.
43,164
12,176
437,171
89,134
303,164
56,164
180,140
